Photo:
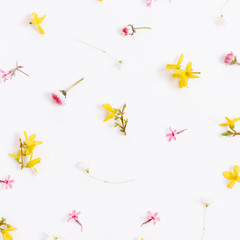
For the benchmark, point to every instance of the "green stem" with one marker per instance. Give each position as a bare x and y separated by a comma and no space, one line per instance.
74,84
142,28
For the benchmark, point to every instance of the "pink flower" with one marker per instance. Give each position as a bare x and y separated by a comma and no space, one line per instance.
127,30
149,2
73,215
171,135
8,182
229,58
4,75
153,217
59,97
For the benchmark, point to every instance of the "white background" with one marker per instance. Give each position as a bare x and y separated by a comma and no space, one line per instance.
170,178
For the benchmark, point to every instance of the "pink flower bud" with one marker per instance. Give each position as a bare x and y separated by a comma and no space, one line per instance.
127,30
229,58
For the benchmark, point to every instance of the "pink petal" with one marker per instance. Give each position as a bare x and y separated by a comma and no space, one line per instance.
155,214
174,138
154,222
157,219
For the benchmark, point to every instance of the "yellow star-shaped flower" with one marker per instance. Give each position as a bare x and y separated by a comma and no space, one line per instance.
111,111
175,66
184,75
232,176
37,21
30,143
229,122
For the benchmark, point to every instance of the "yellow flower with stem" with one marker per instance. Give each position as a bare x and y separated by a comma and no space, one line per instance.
37,21
175,66
111,111
184,75
17,157
233,177
230,123
118,115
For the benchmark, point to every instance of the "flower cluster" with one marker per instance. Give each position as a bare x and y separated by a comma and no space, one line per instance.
118,115
182,74
37,21
5,228
130,30
25,152
231,124
9,74
8,182
233,177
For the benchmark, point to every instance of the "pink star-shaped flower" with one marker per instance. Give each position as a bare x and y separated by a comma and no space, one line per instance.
171,135
153,217
73,215
8,182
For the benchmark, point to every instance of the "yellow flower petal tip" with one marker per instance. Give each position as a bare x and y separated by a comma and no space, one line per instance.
111,111
37,21
232,176
230,123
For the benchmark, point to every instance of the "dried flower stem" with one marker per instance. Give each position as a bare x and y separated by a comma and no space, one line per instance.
149,220
21,147
142,28
223,6
22,72
99,49
104,181
119,116
181,131
204,222
74,84
79,224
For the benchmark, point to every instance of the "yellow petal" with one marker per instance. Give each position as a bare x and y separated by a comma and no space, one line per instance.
110,116
223,124
238,179
38,142
229,175
11,228
171,66
236,119
189,67
108,107
179,71
34,21
40,20
35,16
34,162
183,83
236,170
31,139
191,75
180,60
231,184
41,30
26,136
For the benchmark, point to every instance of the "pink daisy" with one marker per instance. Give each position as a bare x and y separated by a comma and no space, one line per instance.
229,58
127,30
59,97
8,182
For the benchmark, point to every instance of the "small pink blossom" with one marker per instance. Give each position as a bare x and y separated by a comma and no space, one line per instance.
171,135
59,97
8,182
73,215
151,217
229,58
149,2
127,30
4,75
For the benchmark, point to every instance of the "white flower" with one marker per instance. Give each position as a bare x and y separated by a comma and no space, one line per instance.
207,201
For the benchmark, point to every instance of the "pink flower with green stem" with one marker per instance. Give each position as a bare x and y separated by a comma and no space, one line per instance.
172,135
129,30
151,217
231,59
8,182
74,215
60,96
8,75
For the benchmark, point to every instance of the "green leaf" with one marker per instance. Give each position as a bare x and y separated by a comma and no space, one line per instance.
228,133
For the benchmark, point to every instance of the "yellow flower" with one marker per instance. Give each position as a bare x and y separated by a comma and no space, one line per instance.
5,233
232,176
37,21
17,157
229,122
175,66
33,162
184,75
30,144
111,111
